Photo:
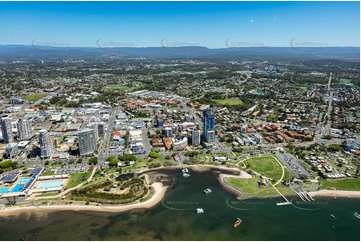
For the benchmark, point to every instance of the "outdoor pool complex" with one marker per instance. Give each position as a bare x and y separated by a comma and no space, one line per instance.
24,180
48,184
18,187
4,190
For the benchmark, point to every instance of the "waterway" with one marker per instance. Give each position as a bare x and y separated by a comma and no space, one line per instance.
175,218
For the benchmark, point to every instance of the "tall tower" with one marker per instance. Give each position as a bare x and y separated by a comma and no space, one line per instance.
209,123
87,141
24,129
6,130
46,149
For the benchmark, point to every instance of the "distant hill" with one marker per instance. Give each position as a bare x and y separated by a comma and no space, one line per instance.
28,52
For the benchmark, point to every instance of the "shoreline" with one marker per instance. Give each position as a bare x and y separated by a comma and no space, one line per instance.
160,190
158,195
335,193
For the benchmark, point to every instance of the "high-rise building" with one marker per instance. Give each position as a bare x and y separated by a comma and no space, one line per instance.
24,129
87,141
46,149
6,130
196,137
209,122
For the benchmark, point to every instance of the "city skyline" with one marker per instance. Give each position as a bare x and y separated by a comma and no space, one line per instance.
171,24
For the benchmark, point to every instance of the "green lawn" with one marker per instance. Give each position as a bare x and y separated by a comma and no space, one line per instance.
265,165
77,178
48,173
47,194
250,187
344,81
231,101
35,97
120,88
347,184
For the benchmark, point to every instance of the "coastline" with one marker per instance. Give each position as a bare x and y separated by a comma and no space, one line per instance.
335,193
159,193
154,200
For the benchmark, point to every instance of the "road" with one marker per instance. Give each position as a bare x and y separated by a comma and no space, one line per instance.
104,150
324,127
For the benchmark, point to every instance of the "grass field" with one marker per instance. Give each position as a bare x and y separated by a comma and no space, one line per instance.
344,81
231,101
347,184
34,97
250,187
265,165
120,88
48,173
77,178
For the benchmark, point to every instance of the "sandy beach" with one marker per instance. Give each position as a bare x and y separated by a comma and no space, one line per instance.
337,193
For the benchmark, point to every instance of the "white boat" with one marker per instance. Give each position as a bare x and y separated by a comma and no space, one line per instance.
186,175
207,190
357,215
333,216
185,170
199,210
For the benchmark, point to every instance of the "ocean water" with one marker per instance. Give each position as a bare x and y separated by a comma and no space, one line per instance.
175,218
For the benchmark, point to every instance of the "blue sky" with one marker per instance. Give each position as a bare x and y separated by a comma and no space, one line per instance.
211,24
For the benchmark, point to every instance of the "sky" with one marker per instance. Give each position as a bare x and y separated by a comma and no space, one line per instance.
169,24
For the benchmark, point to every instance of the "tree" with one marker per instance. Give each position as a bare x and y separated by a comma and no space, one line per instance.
80,160
128,157
335,147
93,160
113,161
153,155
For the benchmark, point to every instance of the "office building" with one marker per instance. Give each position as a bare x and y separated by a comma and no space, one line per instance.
24,129
6,130
46,149
87,141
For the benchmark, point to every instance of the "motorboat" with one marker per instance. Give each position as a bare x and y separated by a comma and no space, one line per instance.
199,210
207,190
186,175
184,170
333,216
237,223
357,215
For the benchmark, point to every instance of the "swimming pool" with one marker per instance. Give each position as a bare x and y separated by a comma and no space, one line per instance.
24,179
4,190
47,184
18,187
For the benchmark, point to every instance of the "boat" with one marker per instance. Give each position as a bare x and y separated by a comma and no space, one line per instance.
237,223
185,170
357,215
333,216
199,210
186,175
207,190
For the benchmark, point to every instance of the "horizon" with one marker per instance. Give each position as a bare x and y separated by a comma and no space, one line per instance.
214,25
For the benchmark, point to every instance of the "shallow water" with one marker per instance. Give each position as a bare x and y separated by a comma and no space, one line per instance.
175,218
